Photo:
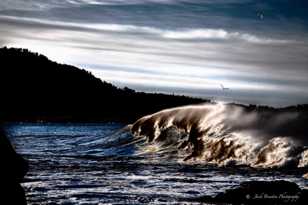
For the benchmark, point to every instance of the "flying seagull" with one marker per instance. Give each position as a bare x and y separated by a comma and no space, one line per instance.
224,88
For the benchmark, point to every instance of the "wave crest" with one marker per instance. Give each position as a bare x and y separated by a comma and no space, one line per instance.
224,134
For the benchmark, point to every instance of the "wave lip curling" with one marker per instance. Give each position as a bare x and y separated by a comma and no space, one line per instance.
224,134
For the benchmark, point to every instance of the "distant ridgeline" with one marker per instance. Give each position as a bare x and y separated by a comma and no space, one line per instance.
33,88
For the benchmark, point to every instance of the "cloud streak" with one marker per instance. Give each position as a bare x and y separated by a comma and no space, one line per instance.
219,34
44,5
186,34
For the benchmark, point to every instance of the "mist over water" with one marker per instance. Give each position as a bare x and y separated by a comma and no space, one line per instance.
225,134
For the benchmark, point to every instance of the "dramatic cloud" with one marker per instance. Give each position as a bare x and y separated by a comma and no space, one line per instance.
190,34
187,47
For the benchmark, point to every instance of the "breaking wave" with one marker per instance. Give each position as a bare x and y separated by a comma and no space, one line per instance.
227,134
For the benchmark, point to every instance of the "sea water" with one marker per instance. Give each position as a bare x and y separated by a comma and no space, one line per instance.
97,163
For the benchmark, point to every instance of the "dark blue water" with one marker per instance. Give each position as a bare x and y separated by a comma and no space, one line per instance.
99,164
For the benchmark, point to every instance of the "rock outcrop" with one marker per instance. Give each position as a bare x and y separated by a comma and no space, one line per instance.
12,171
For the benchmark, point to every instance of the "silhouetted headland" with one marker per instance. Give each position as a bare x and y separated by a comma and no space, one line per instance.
33,88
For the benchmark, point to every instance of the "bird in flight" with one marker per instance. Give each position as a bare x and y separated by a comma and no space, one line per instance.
224,88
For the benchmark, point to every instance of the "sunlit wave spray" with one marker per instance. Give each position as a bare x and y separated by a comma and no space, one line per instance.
225,134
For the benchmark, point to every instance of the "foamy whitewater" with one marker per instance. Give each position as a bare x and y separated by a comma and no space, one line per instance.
224,134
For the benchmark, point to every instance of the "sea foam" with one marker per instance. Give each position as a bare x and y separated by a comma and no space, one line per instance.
225,134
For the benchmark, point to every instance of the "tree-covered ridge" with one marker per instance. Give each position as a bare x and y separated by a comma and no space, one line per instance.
35,88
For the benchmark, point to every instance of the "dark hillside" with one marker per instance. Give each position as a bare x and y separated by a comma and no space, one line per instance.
33,88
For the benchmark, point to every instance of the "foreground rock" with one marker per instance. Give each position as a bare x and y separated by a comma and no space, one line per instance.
13,169
260,192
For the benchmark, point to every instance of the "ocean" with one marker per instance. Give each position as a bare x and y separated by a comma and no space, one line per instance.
103,163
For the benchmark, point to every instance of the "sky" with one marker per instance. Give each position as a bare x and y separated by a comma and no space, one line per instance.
258,49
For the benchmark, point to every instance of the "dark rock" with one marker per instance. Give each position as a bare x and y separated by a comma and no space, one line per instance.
13,169
260,192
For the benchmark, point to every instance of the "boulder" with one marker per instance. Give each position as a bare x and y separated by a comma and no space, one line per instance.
12,171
